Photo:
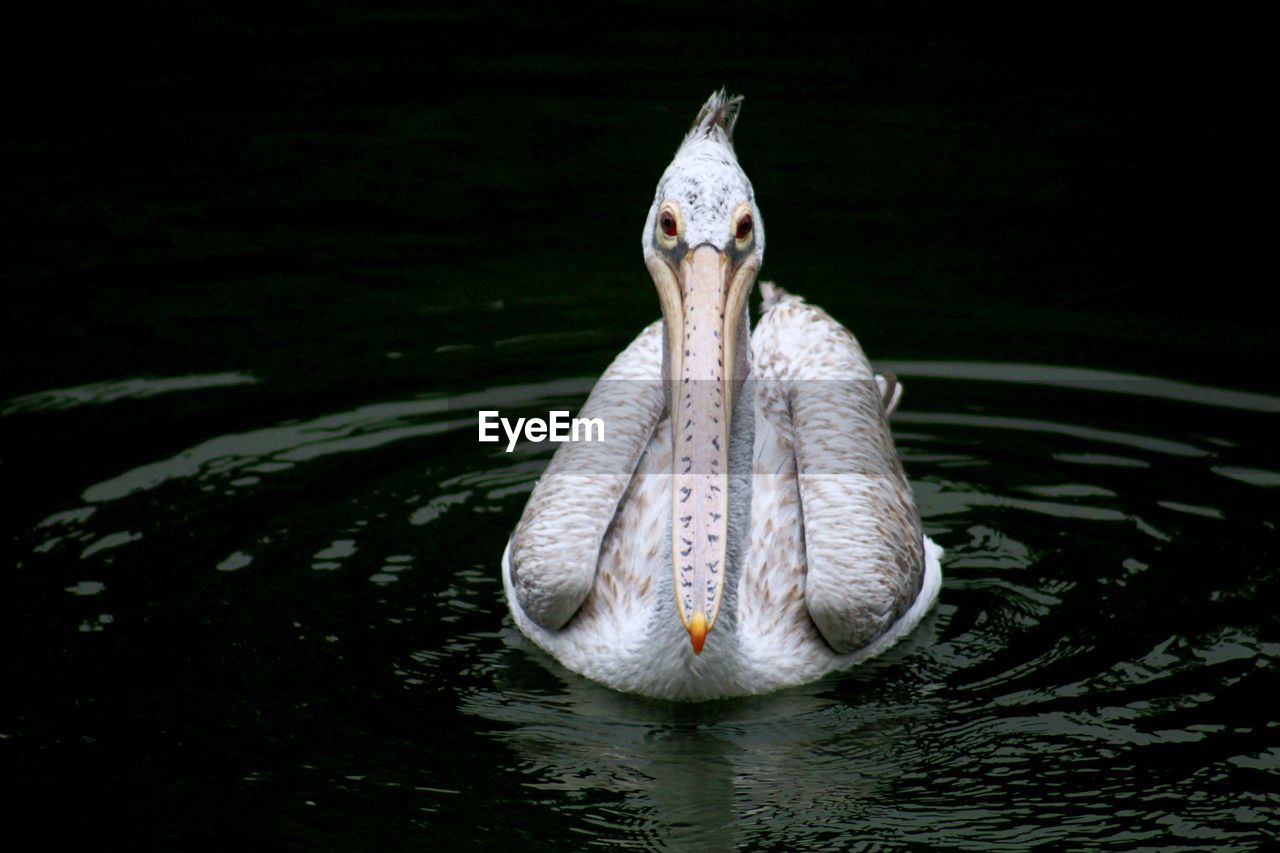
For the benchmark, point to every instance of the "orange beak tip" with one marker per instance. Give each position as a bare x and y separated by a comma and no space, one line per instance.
698,631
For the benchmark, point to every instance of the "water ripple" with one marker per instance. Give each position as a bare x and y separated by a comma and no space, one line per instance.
1089,380
1086,677
125,389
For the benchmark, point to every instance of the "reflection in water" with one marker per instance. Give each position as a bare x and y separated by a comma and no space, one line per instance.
1100,436
1091,672
711,775
1090,380
268,451
125,389
1255,476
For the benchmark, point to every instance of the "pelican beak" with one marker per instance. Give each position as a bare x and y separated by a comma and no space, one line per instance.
702,304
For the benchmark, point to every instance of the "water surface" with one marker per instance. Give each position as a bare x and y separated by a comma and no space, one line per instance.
252,592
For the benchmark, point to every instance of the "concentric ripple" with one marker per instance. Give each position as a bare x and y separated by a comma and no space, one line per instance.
316,604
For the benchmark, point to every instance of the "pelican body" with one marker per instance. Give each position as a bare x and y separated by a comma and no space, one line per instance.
747,525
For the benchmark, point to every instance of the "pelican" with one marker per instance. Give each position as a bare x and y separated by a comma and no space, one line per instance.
746,525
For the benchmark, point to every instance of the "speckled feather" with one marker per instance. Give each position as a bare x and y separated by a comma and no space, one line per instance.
558,539
824,561
869,585
706,179
864,549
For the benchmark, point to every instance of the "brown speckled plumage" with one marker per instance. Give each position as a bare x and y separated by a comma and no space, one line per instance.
781,513
834,556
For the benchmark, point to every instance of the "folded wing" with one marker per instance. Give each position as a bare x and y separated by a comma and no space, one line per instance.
864,546
556,545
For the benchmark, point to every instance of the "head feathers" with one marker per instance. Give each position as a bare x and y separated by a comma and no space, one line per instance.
705,180
716,119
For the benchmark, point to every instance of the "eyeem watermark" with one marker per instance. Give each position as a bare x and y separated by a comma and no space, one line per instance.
560,428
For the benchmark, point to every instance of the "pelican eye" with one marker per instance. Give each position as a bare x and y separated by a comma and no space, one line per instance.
669,225
744,227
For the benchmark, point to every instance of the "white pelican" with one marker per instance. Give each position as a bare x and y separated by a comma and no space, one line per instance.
740,530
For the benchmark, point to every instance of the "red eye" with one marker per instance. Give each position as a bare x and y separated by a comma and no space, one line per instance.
668,223
744,227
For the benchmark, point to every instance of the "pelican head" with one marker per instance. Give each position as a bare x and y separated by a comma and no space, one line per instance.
703,244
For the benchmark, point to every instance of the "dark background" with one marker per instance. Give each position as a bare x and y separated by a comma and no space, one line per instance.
200,187
363,204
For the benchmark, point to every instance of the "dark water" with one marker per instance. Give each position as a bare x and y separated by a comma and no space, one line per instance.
265,268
